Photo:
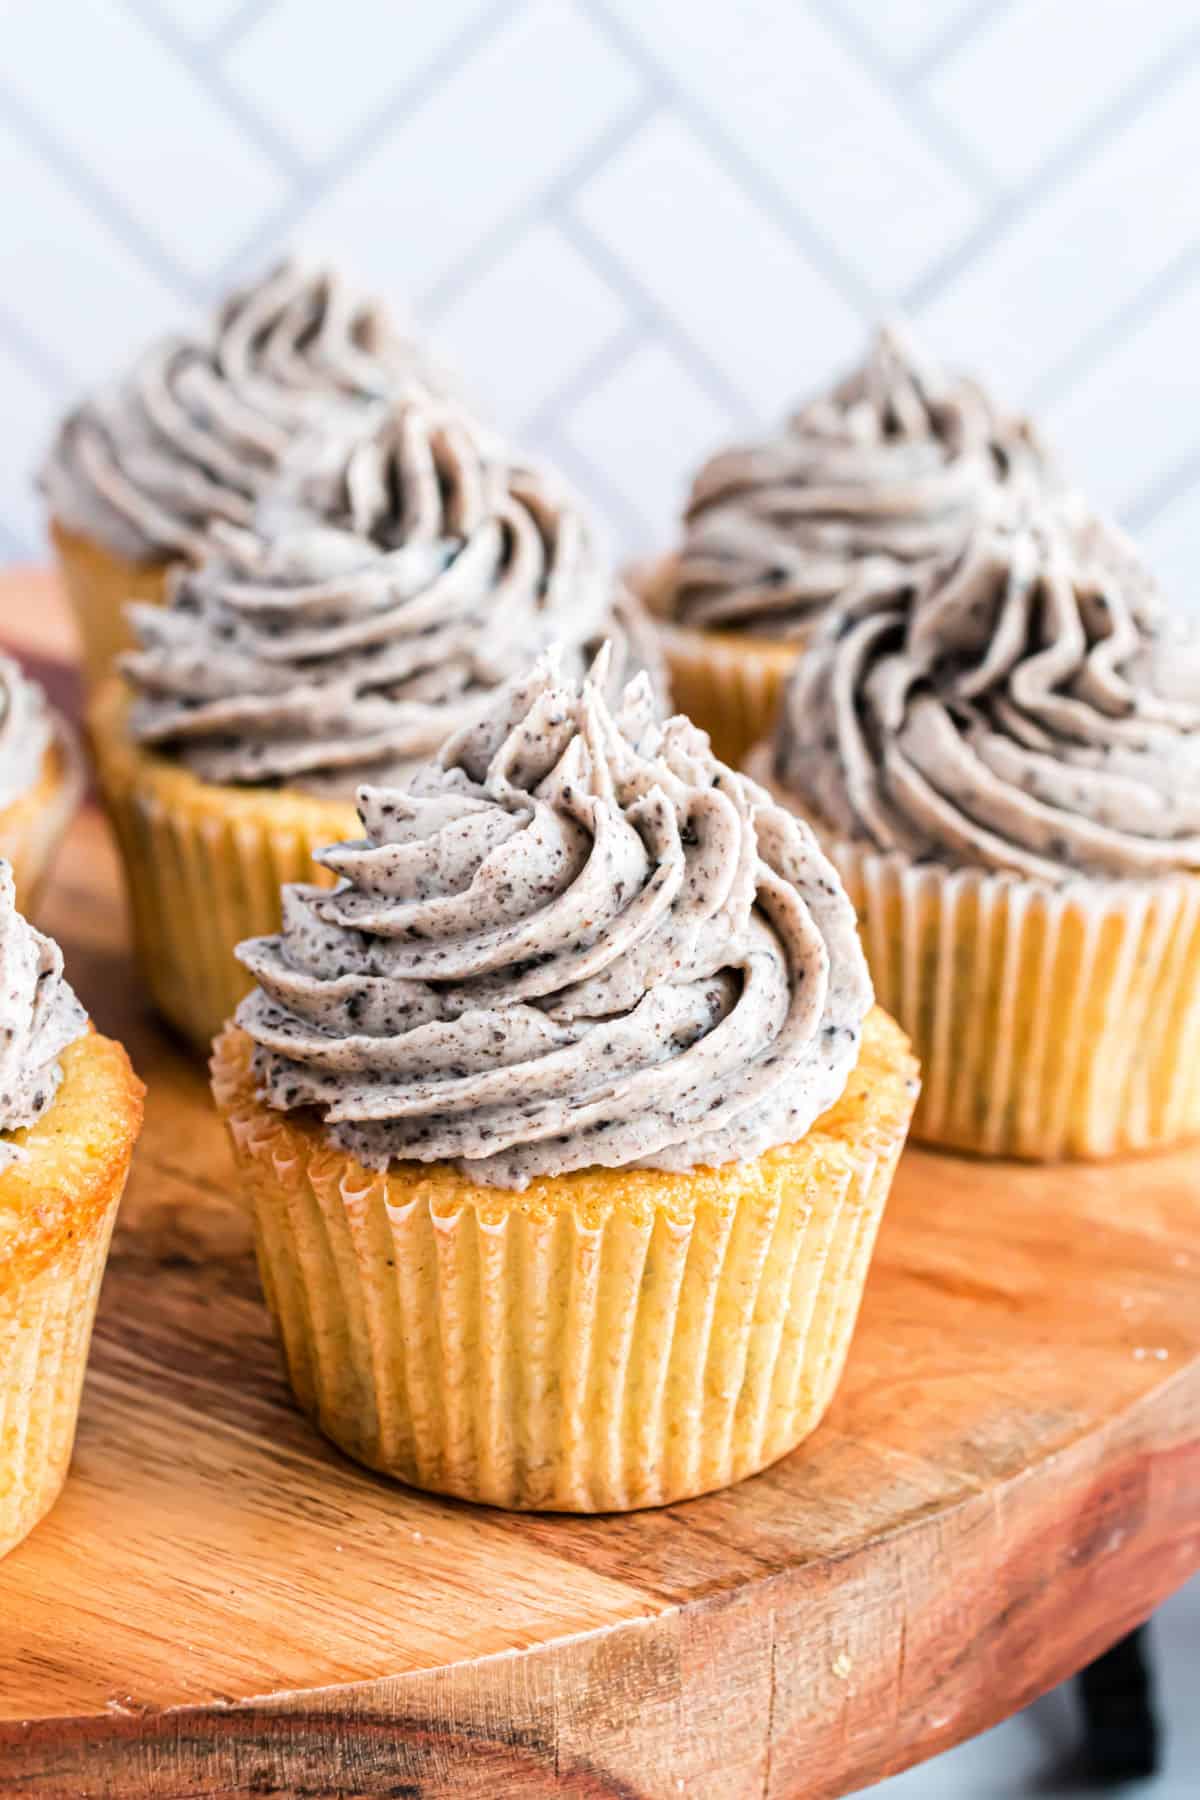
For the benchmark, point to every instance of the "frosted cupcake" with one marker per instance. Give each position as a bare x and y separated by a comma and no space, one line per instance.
566,1119
41,781
70,1110
192,437
1007,774
864,489
420,572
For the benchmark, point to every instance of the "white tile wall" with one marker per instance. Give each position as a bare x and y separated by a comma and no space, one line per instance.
686,208
642,226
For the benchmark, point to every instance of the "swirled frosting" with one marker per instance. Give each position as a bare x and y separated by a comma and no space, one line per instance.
578,940
1031,710
39,1017
201,425
26,731
405,581
865,487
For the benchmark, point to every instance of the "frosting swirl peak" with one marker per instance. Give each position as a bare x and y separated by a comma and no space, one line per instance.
1030,710
410,573
864,488
576,940
201,426
26,731
39,1017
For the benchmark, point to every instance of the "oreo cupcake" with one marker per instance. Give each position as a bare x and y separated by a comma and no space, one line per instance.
566,1119
70,1111
406,579
142,471
1006,771
41,781
865,489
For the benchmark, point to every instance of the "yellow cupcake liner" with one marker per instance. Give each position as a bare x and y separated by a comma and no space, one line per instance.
729,683
45,1332
204,866
1050,1022
57,1207
33,826
606,1340
99,582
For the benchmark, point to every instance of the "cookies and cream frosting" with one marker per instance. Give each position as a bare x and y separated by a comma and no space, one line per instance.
864,487
576,940
1031,710
202,424
382,604
26,731
39,1017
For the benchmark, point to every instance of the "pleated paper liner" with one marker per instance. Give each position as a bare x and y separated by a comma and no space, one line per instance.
607,1340
728,682
1050,1023
57,1208
33,825
204,866
99,582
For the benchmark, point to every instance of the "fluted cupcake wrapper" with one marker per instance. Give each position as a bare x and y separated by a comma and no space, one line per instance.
204,866
99,584
612,1340
33,826
1049,1022
45,1330
729,683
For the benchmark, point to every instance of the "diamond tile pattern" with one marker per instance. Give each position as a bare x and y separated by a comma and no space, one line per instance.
640,225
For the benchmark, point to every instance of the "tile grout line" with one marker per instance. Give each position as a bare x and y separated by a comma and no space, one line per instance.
206,70
242,20
589,479
133,238
1179,479
367,137
449,287
938,136
624,342
760,189
1064,376
1057,169
956,37
40,363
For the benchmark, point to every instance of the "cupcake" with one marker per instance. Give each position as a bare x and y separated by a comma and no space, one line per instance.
70,1109
404,580
565,1118
1006,772
142,471
865,488
41,781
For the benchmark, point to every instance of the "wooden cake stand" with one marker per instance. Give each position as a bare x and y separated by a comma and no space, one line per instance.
221,1604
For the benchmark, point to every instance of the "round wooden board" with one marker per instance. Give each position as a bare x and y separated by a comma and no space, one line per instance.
222,1605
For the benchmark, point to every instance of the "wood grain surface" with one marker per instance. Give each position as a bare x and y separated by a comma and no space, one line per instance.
222,1605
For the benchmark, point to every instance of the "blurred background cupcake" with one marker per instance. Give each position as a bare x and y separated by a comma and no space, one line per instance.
70,1111
41,781
864,489
143,470
397,583
566,1119
1005,767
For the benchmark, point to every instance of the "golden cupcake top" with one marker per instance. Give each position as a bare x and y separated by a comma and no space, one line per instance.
199,427
401,580
577,940
864,488
1031,708
39,1018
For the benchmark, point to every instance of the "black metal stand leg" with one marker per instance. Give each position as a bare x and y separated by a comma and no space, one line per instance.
1122,1741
